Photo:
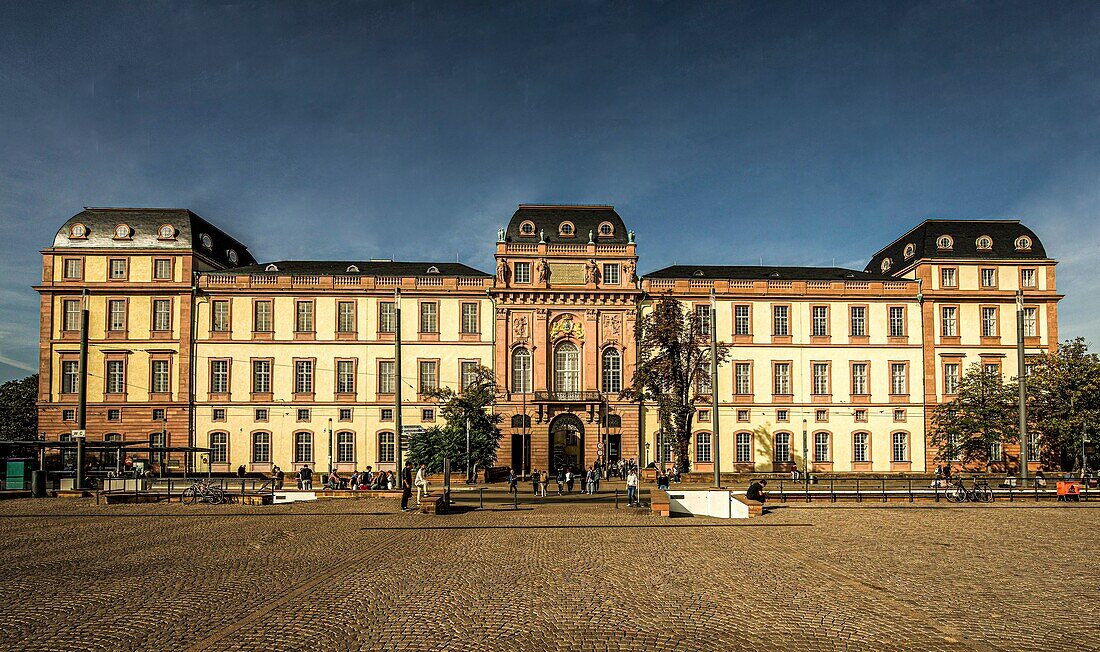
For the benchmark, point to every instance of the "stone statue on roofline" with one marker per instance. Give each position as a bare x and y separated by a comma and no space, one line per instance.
500,235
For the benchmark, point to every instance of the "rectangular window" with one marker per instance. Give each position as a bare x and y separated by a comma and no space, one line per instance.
345,316
116,315
468,373
68,415
71,319
741,323
386,449
861,447
951,378
261,317
160,376
219,315
345,447
219,414
429,317
782,372
219,376
899,415
897,321
949,321
1031,322
611,273
429,376
114,415
820,321
995,452
303,447
427,414
860,415
702,315
743,415
821,378
303,414
702,447
954,453
781,320
387,383
783,415
821,447
116,377
989,322
469,318
74,268
345,376
386,414
117,269
303,317
859,378
387,317
989,277
783,447
303,376
261,376
991,369
898,379
260,414
821,416
162,269
742,374
744,447
948,278
523,272
859,321
704,416
162,315
261,447
1027,278
900,447
70,376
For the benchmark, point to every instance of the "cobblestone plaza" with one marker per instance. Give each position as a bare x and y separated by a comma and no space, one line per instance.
353,575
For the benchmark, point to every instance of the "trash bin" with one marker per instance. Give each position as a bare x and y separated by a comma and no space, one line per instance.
38,484
1068,491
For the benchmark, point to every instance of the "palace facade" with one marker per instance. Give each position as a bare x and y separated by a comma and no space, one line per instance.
192,342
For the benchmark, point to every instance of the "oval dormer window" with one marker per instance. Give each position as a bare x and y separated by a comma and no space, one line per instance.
527,228
885,267
122,232
206,240
166,232
433,270
353,269
566,229
232,255
910,250
607,229
78,231
1023,243
697,272
271,268
944,243
984,243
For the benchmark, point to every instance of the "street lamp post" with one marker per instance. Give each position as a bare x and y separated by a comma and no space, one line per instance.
805,455
82,393
1021,375
715,439
397,382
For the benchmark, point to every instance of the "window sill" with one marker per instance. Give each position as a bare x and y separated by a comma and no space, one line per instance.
261,397
742,339
469,337
218,396
263,336
117,335
221,335
899,398
895,339
861,399
861,466
743,398
781,339
858,339
345,397
901,466
950,340
822,398
303,396
304,336
114,398
387,337
820,339
344,335
160,335
991,341
782,398
427,337
160,396
822,467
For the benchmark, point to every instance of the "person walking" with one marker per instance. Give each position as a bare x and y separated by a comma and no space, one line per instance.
535,482
560,479
631,488
544,479
590,481
406,486
421,482
569,479
513,481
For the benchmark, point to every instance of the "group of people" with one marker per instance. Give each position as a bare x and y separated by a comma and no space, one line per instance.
566,479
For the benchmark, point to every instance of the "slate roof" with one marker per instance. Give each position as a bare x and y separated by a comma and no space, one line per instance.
965,234
766,272
547,218
144,224
366,268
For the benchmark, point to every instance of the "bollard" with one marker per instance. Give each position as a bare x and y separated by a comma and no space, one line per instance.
481,497
616,499
515,500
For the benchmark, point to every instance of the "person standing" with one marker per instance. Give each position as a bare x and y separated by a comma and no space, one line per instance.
544,479
569,479
421,482
279,476
561,479
631,487
513,481
406,486
305,475
535,482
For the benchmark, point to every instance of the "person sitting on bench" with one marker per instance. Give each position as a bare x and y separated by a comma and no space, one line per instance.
756,491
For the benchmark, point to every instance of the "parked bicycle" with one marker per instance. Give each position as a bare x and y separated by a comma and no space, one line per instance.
204,492
979,493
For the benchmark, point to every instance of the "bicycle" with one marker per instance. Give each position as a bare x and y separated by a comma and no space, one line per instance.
979,493
204,492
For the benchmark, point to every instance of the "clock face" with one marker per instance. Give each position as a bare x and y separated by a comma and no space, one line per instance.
206,240
122,231
233,256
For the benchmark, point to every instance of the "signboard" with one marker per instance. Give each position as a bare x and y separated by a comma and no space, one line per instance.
80,434
567,273
408,432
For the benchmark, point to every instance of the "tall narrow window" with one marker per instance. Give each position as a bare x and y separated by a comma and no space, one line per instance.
989,277
861,448
859,321
897,321
821,378
429,317
989,322
741,323
567,371
261,317
859,378
900,447
162,315
160,376
73,268
70,376
219,448
521,370
612,371
162,269
345,316
782,377
387,377
1032,447
303,317
219,313
611,273
742,374
523,273
118,269
781,320
386,448
702,315
345,447
744,447
702,447
261,447
898,379
345,376
303,447
468,373
821,447
469,318
950,321
219,376
783,447
1031,321
71,309
1027,278
261,376
951,378
429,376
820,321
387,317
116,315
116,377
948,278
303,376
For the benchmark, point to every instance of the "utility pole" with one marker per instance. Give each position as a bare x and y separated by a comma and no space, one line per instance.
805,455
330,445
715,439
399,435
1021,374
469,479
82,393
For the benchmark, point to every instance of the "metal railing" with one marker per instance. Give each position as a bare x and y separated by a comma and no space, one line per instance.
569,397
909,488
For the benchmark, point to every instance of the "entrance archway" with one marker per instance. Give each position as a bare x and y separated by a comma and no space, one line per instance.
566,444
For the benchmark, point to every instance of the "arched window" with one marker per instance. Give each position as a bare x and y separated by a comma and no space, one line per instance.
900,447
303,447
521,421
984,243
521,370
261,447
387,453
612,371
345,447
821,447
219,448
702,447
944,242
782,447
110,456
567,368
743,450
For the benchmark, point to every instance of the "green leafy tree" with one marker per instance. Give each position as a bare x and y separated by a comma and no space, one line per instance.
449,440
1064,402
983,413
673,369
18,409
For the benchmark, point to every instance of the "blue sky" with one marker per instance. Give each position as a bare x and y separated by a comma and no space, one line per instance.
796,133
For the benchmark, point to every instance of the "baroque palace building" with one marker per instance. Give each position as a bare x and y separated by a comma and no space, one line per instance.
192,342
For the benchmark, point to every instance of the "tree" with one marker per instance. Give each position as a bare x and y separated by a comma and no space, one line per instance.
673,369
449,440
983,413
18,409
1064,402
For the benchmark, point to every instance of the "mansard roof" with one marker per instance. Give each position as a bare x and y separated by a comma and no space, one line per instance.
964,236
365,268
145,224
765,273
547,219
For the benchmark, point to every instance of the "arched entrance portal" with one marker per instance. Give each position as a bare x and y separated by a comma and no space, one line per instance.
566,443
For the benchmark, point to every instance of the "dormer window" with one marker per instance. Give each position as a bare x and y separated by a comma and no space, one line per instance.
433,270
232,256
527,229
697,272
1023,243
984,243
206,240
122,232
607,229
78,231
353,269
166,232
910,250
566,229
774,275
271,268
885,267
944,243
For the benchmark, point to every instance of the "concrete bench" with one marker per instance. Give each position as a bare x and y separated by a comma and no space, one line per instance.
433,504
756,508
658,502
